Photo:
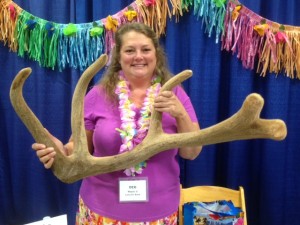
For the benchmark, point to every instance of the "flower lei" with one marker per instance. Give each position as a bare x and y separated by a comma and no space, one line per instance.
133,131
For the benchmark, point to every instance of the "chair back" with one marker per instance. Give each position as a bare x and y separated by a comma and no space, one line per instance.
210,194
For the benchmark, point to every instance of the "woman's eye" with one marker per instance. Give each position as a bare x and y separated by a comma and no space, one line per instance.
129,50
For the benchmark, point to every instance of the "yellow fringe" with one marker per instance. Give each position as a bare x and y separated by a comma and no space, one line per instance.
7,26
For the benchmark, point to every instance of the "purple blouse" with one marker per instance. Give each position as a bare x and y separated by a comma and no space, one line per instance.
101,193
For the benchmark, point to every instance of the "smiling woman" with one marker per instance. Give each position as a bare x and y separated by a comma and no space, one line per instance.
117,114
137,58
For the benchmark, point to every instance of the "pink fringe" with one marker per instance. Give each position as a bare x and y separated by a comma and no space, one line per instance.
239,36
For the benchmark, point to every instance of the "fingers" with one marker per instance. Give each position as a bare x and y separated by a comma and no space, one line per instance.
49,163
38,146
45,155
165,95
164,99
167,102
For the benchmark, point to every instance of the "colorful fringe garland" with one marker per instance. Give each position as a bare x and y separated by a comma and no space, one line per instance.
59,46
254,39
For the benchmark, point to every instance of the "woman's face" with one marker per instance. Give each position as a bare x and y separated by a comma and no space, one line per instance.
137,56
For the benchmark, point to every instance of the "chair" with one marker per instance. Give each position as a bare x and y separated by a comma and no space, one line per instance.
212,193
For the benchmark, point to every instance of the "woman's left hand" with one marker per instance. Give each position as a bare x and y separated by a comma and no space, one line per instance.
168,102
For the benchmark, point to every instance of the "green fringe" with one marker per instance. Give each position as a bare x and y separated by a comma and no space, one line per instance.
21,35
35,42
50,48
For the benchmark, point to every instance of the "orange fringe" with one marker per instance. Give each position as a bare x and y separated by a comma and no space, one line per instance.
264,59
295,59
7,25
287,54
156,16
176,9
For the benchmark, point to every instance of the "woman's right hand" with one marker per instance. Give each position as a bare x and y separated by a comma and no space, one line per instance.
46,154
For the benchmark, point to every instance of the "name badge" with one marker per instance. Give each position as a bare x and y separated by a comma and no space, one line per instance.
133,189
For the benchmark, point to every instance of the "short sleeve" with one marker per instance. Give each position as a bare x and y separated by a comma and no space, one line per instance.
186,102
89,105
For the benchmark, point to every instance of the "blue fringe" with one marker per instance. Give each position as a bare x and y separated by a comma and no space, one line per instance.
81,50
213,16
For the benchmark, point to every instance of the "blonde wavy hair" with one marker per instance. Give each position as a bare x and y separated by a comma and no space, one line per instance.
110,78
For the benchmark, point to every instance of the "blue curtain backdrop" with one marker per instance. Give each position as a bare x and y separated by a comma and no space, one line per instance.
268,170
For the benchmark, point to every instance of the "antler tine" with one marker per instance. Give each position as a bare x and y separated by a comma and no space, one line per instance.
25,113
30,120
77,123
243,125
155,124
64,168
70,170
176,80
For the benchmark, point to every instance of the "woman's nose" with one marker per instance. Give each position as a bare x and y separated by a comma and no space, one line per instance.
139,54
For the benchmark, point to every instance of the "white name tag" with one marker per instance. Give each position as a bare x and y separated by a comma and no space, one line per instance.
133,189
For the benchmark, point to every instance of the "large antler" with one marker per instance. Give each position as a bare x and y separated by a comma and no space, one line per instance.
245,124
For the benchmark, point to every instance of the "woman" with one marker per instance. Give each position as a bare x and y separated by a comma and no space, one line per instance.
117,113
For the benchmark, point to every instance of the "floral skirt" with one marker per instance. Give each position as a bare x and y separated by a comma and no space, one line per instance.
85,216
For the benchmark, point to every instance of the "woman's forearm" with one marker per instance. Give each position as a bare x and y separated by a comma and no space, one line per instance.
184,124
